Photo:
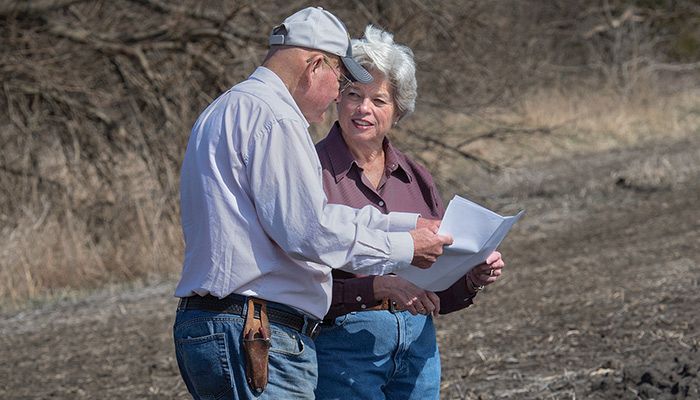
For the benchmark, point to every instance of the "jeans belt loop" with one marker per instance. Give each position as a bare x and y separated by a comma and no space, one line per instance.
244,308
305,328
183,303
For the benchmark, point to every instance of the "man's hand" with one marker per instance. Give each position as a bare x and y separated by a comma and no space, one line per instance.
432,224
427,246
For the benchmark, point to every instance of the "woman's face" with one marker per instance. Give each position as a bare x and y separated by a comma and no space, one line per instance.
366,112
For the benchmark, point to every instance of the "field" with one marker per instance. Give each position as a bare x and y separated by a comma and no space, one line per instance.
599,300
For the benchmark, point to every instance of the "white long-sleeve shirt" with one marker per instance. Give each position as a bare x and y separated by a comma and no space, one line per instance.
254,214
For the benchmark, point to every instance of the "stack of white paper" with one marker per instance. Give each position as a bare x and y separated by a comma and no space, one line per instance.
477,232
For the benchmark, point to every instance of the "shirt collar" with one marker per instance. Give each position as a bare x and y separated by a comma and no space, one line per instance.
271,80
341,159
339,154
394,161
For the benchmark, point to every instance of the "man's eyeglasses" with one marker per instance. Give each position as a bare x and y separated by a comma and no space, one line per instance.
343,81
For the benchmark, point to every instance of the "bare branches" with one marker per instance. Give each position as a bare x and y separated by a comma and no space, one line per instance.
206,15
503,131
675,67
487,165
19,7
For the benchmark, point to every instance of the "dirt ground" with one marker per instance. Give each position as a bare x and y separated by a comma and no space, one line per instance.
600,298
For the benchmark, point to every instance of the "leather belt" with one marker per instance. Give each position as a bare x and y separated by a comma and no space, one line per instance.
233,304
386,304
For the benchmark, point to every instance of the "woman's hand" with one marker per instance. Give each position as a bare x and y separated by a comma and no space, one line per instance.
406,295
488,272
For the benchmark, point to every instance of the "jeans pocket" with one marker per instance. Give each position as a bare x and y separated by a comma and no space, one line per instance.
206,362
285,341
339,321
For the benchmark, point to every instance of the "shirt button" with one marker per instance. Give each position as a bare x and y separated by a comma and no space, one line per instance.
358,298
381,203
363,306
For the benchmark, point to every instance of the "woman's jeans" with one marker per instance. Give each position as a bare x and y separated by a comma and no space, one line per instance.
378,355
211,359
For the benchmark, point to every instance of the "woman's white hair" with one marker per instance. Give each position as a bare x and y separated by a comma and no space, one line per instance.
377,50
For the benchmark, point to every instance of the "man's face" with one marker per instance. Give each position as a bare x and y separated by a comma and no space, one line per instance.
324,87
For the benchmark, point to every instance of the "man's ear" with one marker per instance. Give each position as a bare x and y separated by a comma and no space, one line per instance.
310,71
314,64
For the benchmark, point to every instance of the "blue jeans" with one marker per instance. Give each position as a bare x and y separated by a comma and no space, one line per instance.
209,351
378,355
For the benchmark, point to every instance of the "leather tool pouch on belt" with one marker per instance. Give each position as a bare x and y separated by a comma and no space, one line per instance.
256,343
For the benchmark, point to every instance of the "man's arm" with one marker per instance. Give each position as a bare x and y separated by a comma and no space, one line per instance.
284,176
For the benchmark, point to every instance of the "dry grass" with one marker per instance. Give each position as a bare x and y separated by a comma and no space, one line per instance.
553,122
47,256
604,118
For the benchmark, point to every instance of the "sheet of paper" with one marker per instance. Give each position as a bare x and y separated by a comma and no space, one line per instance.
477,232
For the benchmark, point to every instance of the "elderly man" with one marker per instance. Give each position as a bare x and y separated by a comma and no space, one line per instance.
260,238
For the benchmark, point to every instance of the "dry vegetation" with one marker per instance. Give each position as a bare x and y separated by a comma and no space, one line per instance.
584,113
98,97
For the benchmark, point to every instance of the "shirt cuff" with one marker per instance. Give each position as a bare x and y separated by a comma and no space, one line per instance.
402,221
456,297
358,293
401,247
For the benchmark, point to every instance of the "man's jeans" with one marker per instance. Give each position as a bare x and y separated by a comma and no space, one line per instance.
378,355
209,351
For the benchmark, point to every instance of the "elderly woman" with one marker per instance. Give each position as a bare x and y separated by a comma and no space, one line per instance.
378,339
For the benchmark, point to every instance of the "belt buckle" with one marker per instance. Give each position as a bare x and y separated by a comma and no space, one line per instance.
311,327
392,306
315,330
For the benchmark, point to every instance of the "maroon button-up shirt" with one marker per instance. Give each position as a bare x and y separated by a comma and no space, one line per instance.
405,186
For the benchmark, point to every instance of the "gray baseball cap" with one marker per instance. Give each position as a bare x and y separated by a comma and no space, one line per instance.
316,28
